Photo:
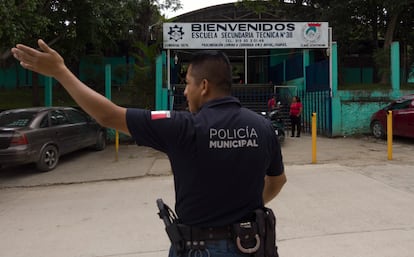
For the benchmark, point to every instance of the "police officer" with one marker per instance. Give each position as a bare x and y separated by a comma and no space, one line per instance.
226,159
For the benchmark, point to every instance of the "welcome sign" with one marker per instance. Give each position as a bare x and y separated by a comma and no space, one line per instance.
244,35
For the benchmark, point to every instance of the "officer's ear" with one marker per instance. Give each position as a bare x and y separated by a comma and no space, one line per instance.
205,87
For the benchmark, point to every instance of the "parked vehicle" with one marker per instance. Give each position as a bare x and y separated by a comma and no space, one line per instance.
277,123
42,134
402,118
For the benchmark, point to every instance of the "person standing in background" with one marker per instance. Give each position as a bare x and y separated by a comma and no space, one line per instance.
295,116
271,104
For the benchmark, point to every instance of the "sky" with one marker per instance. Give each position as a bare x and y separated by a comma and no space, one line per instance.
191,5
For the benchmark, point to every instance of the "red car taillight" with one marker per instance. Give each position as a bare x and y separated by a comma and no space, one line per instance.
18,139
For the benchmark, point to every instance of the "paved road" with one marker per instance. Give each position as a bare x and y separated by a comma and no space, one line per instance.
353,202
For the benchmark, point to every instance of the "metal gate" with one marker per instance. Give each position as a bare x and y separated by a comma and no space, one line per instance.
317,98
252,96
318,102
255,97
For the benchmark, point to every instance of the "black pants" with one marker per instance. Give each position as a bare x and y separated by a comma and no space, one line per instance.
296,126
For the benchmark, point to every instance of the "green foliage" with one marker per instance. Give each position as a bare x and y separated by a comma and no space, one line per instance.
21,22
81,28
361,27
78,27
23,97
144,79
260,6
382,60
173,5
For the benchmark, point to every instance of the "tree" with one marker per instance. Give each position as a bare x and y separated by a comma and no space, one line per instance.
79,27
392,13
94,26
360,26
24,23
144,79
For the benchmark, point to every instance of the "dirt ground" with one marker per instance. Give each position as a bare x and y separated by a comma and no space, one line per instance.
347,151
364,153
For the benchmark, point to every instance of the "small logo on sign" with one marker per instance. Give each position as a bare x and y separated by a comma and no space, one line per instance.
312,32
176,33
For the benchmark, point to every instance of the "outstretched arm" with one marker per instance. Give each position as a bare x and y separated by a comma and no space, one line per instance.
49,63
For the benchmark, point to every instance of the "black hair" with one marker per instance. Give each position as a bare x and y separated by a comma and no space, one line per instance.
213,66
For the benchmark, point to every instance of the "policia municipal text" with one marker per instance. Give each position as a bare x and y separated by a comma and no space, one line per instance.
220,191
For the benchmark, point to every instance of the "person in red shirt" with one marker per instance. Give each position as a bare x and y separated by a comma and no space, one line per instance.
271,104
295,116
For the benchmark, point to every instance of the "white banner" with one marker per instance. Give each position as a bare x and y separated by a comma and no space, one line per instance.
245,35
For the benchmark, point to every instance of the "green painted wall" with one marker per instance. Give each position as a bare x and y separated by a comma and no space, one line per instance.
93,68
353,109
278,56
16,76
356,108
89,68
358,75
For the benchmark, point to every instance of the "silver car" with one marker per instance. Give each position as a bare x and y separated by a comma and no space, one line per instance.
41,135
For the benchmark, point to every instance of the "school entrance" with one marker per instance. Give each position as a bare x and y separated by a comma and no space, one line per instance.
285,59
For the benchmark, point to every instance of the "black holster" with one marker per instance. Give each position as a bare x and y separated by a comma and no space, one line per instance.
171,227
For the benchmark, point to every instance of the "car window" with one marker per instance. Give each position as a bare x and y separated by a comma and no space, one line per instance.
45,122
76,117
16,119
400,105
58,117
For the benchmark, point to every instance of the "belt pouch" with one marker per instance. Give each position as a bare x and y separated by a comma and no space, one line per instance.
261,227
270,239
247,237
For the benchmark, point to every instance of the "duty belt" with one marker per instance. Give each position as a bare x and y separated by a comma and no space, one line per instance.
252,237
190,233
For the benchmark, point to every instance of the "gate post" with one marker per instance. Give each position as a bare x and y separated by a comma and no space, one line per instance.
306,62
395,68
336,118
108,81
158,82
161,92
48,91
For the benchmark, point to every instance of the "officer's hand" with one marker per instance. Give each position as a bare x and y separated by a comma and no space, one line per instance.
47,62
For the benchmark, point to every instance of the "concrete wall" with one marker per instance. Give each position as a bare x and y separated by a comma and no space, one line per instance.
356,107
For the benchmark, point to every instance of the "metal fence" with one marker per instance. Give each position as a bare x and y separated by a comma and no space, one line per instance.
255,97
318,102
252,96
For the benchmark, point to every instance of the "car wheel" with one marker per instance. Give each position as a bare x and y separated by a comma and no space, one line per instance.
49,158
377,129
100,141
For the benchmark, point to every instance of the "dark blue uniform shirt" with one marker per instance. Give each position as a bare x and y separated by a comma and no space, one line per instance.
219,158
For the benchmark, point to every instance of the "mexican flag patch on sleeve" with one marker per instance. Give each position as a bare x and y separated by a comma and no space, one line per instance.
157,115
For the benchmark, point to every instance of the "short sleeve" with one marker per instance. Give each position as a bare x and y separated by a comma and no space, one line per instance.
157,129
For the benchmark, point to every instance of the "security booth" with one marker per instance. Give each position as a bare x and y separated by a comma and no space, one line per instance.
267,58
